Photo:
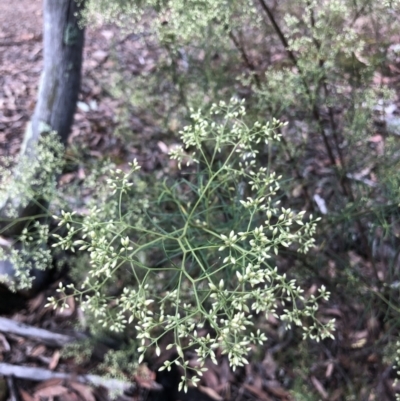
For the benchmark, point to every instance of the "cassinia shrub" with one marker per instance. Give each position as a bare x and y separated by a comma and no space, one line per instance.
197,251
34,181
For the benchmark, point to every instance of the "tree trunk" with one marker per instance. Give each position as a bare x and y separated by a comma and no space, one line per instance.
58,93
63,41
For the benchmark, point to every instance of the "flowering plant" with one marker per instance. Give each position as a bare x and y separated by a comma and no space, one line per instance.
200,252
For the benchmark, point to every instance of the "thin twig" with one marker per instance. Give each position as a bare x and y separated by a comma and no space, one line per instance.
323,80
249,64
35,333
359,13
343,179
40,374
293,58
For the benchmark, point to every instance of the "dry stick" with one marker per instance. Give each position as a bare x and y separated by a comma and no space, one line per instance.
47,337
40,374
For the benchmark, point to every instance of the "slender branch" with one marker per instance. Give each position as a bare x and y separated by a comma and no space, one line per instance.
359,13
249,64
343,178
279,33
40,374
295,62
323,80
346,188
45,336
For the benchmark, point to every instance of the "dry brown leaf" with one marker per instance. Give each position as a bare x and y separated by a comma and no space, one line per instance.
375,138
53,391
26,36
319,387
336,395
359,343
210,392
85,392
69,396
99,55
258,381
257,392
48,383
297,191
210,377
329,370
359,338
275,388
67,178
163,147
39,350
54,360
36,302
145,378
5,344
25,396
312,290
271,319
225,372
333,312
269,365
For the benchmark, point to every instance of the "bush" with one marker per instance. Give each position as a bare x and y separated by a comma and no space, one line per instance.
199,250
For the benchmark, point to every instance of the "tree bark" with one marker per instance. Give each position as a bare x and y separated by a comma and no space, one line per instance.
63,41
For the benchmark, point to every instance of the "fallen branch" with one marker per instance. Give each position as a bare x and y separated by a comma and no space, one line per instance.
365,181
9,326
40,374
13,396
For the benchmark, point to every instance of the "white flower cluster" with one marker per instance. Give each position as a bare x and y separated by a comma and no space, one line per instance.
33,176
199,258
29,180
29,254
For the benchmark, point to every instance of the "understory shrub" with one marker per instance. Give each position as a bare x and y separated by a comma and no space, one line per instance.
197,251
322,66
29,180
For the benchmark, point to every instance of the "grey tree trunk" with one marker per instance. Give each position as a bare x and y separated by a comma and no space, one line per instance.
63,43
